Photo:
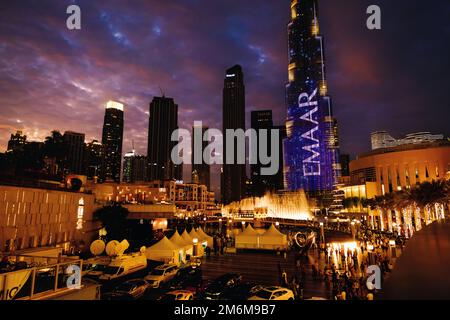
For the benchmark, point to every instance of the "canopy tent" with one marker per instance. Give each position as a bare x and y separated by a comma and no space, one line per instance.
273,239
177,240
194,235
186,237
248,239
166,251
205,237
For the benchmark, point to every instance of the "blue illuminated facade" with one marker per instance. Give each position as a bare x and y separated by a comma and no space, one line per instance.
311,148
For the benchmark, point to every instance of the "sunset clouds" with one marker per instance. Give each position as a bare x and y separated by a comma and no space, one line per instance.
53,78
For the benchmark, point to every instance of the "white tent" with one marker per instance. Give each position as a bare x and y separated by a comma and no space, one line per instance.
273,239
248,239
194,235
166,251
180,242
186,237
205,237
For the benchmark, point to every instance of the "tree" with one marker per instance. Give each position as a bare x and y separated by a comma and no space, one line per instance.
114,219
76,184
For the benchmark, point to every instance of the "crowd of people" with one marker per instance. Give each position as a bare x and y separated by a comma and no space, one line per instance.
346,273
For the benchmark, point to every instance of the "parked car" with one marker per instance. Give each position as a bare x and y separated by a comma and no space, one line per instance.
273,293
132,289
161,275
189,278
221,285
177,295
195,262
241,291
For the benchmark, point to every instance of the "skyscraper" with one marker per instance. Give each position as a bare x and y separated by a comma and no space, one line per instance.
261,120
134,167
163,121
17,142
233,175
278,179
94,158
311,147
74,143
201,170
112,141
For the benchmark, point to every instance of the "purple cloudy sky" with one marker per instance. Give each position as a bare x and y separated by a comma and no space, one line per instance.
53,78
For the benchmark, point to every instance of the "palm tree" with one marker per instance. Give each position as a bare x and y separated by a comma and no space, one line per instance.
385,204
427,195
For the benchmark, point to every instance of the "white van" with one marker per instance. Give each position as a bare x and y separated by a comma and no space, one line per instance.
124,265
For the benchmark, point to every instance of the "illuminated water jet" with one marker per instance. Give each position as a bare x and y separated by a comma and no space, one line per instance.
292,205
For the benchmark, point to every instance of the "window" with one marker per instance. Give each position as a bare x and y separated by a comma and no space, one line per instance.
437,171
80,214
408,181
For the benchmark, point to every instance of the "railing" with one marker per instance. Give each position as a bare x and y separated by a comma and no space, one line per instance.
41,281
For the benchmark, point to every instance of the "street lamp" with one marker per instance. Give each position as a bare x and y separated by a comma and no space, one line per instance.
195,247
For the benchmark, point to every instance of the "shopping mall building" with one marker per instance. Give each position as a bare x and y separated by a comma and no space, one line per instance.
386,170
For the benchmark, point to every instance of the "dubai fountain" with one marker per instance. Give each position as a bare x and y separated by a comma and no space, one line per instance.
289,205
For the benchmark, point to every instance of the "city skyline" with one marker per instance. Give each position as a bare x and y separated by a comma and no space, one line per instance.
224,150
69,75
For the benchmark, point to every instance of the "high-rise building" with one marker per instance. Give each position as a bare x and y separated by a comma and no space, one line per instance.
74,145
311,147
278,179
134,167
261,184
163,121
382,139
344,159
261,120
94,157
200,171
112,141
17,142
233,178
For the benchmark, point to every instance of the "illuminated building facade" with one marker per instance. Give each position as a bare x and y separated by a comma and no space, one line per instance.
112,141
311,147
402,167
134,168
382,139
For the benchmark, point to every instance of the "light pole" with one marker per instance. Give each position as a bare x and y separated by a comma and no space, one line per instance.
352,224
322,235
195,247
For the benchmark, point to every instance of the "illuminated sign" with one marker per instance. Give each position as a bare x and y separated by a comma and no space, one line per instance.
311,165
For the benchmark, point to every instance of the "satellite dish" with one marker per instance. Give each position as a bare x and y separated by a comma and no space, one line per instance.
121,247
111,248
97,247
